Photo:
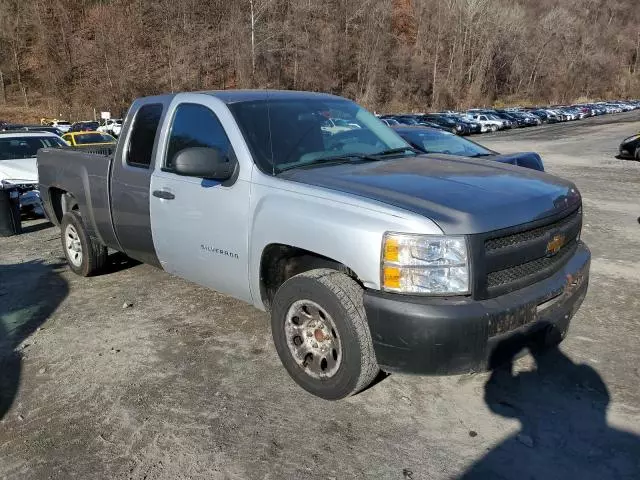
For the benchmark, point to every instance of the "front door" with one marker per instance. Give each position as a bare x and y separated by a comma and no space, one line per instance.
200,227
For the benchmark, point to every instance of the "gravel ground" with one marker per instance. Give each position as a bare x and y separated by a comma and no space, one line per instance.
136,374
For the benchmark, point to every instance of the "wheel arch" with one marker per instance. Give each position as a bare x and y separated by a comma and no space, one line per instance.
61,202
280,261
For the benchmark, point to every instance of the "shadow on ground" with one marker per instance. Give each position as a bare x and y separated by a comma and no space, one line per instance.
36,227
118,261
564,433
29,293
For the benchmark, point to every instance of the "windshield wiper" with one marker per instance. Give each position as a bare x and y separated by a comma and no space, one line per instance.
333,160
393,151
348,157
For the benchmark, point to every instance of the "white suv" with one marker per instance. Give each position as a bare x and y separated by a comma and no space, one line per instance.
62,125
18,168
112,126
487,123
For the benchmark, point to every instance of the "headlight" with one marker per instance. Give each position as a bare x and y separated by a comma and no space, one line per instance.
425,264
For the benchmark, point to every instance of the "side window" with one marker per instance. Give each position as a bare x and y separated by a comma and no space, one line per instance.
195,126
143,135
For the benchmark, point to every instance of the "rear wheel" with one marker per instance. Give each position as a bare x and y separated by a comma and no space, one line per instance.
85,256
321,333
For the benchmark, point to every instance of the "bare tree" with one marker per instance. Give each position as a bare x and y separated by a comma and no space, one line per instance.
74,55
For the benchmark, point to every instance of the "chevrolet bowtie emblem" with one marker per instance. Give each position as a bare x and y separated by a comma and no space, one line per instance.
555,244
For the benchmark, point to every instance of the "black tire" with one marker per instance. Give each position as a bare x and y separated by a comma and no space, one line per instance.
93,255
637,154
341,298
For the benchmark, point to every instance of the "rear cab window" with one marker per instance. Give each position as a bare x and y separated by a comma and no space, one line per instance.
143,135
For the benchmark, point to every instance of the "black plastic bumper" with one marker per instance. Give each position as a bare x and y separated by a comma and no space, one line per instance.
421,335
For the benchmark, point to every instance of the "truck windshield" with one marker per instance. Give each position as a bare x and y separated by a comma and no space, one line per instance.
26,147
285,134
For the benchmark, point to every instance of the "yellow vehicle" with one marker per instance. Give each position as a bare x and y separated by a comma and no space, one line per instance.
85,139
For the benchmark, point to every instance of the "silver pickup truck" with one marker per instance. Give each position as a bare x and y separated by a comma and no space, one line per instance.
367,254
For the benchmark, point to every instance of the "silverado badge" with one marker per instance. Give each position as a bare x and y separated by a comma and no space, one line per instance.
555,244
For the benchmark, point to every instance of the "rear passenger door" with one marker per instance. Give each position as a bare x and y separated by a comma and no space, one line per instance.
131,180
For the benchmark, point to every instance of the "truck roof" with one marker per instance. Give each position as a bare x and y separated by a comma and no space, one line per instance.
238,96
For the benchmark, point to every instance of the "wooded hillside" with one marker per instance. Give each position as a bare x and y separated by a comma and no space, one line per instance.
71,56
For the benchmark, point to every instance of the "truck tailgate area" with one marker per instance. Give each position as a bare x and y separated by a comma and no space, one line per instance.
84,174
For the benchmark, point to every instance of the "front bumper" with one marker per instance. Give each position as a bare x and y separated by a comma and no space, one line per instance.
443,336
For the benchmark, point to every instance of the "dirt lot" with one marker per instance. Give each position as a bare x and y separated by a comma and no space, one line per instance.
185,383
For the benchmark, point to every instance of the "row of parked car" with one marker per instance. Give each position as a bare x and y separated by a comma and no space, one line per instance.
482,120
87,133
111,126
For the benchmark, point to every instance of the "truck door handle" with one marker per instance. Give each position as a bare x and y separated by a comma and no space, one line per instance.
163,194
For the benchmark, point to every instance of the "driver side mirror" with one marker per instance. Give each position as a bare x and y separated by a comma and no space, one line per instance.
204,162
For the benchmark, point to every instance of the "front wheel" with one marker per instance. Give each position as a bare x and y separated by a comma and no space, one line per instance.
85,256
494,128
321,334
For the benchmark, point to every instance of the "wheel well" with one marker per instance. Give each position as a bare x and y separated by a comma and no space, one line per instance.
280,262
62,202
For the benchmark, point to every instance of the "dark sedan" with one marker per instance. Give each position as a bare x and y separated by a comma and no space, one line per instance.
431,140
449,123
630,147
393,120
84,127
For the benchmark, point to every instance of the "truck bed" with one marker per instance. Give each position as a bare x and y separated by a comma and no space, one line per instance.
85,173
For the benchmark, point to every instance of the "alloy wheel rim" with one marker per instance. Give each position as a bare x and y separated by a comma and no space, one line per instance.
73,245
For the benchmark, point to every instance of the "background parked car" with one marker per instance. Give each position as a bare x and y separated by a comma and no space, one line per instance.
630,147
409,120
84,127
390,121
487,121
470,125
112,127
33,128
18,169
83,139
61,125
430,140
39,128
449,123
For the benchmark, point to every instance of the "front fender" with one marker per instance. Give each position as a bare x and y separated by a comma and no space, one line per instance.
345,228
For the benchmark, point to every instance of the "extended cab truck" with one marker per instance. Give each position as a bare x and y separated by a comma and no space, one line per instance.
366,253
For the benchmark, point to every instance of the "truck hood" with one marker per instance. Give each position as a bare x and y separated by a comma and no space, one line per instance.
463,196
24,170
